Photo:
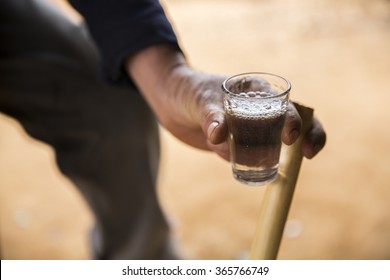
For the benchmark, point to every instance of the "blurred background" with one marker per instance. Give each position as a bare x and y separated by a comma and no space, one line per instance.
336,55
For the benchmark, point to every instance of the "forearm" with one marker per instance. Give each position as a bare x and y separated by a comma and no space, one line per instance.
160,72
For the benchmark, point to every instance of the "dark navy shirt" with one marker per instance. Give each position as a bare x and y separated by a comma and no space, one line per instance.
122,27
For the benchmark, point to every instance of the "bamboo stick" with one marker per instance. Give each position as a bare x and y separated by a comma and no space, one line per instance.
278,196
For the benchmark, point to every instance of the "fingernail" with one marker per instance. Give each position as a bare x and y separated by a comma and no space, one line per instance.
211,128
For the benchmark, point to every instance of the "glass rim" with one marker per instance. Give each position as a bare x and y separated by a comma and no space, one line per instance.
285,92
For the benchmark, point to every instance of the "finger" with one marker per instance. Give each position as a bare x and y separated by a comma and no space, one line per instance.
214,125
292,126
314,140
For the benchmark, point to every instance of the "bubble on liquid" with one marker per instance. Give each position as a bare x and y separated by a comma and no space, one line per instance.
251,94
263,94
267,106
256,105
256,108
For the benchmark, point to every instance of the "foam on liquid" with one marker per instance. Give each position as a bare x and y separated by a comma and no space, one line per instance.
254,105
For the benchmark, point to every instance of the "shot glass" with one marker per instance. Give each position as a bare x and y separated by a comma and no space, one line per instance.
255,106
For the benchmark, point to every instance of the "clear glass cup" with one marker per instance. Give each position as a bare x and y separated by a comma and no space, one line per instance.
255,105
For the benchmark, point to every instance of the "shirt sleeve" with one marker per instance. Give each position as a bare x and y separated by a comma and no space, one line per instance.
122,27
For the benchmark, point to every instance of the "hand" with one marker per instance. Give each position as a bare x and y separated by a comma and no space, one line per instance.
189,103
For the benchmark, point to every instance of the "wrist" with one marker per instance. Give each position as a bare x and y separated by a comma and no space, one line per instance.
154,65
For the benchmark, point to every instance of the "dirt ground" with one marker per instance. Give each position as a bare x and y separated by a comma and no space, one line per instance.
336,55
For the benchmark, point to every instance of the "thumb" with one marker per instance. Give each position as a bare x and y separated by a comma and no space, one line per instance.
214,126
